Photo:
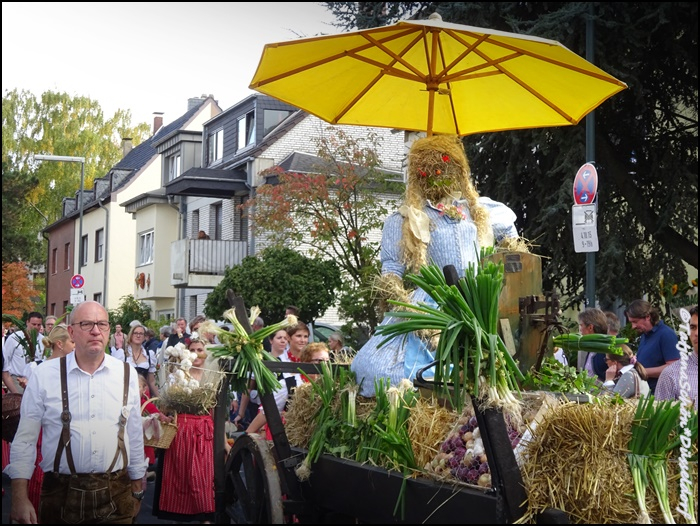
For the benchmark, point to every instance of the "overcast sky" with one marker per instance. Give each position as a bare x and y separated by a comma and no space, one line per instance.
147,57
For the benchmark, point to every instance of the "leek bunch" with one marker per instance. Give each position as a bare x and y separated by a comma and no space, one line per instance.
381,438
246,351
651,431
605,343
470,355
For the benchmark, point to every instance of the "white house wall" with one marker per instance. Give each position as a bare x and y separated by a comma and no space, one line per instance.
157,293
124,235
301,138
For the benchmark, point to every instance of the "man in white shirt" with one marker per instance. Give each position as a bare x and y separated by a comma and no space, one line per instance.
16,357
105,444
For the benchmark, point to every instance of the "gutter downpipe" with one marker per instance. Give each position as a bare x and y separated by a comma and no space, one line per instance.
180,298
251,195
106,256
46,278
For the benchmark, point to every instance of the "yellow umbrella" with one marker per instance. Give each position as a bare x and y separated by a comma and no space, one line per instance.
435,77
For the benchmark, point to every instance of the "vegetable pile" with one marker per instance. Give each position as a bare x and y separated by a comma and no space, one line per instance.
470,356
556,377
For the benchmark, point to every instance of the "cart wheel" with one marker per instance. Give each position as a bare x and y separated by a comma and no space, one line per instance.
253,491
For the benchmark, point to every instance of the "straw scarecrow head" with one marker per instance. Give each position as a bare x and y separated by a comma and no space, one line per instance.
438,172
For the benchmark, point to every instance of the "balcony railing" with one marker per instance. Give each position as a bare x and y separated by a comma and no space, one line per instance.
202,262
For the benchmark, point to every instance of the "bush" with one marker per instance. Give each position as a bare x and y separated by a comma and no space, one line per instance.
278,277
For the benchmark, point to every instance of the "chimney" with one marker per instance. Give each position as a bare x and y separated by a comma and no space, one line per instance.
127,145
195,101
157,121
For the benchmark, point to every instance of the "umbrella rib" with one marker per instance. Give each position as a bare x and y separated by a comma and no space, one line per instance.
449,87
396,57
468,49
520,52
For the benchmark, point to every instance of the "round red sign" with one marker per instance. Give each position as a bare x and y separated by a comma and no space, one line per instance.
585,184
77,281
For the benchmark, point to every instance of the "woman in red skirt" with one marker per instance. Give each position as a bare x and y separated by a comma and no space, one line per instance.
185,483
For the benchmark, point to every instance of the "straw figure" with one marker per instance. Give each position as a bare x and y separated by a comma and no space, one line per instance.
442,220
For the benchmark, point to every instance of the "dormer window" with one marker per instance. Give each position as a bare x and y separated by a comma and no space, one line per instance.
272,118
173,166
246,130
215,146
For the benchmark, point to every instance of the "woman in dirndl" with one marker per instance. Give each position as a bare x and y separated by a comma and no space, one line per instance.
185,473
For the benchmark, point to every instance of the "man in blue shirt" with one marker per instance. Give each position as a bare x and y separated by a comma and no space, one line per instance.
657,346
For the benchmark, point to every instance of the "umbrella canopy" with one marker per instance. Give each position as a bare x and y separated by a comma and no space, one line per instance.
435,77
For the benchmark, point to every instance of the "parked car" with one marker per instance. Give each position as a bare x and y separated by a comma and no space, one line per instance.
322,331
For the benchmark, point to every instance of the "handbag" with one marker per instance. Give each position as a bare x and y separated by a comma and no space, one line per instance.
11,403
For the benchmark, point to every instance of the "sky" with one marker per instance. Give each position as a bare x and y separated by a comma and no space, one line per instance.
147,57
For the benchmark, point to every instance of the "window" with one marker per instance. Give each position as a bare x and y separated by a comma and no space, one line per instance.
146,248
84,251
215,146
173,167
217,218
271,118
54,260
66,256
240,222
195,223
99,245
53,309
65,306
97,297
246,130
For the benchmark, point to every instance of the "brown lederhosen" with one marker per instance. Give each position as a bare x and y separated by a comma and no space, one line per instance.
81,498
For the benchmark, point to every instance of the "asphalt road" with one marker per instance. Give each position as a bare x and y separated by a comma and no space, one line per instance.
145,515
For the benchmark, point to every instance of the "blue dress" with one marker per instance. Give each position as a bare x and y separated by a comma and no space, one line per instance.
452,242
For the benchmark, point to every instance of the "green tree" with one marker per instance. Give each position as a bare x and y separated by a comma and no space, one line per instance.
129,309
278,277
20,239
56,124
333,212
645,140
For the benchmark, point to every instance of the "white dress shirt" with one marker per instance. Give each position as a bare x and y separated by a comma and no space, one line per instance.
14,353
95,404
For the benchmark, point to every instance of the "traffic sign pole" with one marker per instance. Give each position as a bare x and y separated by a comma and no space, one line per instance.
583,215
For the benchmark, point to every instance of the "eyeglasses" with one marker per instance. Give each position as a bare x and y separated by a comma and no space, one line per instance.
88,325
139,333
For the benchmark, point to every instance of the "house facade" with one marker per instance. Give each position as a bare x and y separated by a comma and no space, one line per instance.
113,244
237,145
142,221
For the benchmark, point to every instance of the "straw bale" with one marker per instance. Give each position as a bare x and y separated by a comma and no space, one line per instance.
428,426
576,461
299,416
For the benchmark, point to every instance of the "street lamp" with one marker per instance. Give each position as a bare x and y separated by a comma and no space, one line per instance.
81,160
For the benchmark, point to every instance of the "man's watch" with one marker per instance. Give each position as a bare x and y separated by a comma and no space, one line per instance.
138,495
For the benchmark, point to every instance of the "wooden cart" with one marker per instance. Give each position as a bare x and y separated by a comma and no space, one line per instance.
258,483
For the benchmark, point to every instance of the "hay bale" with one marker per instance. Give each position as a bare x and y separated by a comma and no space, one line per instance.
576,461
299,417
428,426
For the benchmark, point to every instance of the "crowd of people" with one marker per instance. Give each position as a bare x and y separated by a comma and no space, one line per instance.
92,365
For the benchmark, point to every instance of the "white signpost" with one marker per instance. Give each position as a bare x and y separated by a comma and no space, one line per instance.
76,291
76,296
584,226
